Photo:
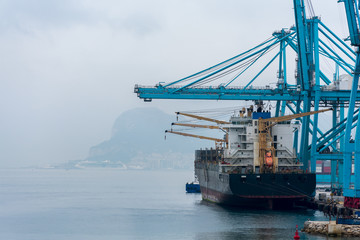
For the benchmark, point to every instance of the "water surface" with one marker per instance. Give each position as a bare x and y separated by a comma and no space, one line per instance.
105,204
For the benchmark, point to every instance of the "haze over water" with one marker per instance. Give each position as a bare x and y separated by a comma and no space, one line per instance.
115,204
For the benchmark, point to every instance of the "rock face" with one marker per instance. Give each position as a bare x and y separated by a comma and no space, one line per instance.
317,227
137,141
351,230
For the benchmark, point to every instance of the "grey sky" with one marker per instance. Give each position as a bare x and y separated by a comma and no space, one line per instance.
68,68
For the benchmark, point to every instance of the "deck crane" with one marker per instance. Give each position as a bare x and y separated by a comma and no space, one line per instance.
217,140
195,125
352,147
202,118
265,139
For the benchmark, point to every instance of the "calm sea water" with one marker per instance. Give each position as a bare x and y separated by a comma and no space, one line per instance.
115,204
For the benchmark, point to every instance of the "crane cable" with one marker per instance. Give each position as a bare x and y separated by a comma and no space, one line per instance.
310,8
231,70
234,69
227,62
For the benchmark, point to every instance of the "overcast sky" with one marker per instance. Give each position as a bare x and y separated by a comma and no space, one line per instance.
68,68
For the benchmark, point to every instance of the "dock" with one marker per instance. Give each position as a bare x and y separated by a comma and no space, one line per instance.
343,221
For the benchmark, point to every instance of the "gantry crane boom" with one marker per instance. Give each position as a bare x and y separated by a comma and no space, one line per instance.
202,118
196,136
196,125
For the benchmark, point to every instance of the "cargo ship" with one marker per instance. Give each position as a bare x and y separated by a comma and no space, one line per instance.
255,165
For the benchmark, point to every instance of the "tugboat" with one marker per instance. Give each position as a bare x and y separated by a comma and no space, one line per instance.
193,187
255,164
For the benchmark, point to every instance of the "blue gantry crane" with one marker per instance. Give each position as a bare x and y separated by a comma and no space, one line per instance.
316,47
352,146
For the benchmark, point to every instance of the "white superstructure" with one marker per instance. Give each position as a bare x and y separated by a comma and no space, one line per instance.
243,143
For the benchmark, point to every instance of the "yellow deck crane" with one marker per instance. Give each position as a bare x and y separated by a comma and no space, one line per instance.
267,159
202,118
196,125
218,141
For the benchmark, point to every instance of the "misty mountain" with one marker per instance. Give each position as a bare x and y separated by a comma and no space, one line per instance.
137,139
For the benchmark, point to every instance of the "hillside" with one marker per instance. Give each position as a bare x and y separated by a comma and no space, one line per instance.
137,142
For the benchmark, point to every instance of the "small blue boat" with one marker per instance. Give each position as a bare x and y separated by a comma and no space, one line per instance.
193,187
348,221
353,220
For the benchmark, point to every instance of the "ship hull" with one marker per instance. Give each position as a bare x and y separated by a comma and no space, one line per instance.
268,190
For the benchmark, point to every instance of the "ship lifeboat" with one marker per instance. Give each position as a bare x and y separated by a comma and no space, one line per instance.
268,159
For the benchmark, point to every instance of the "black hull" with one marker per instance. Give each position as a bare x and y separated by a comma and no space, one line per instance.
236,201
270,190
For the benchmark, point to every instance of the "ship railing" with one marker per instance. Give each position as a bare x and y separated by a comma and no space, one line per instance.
233,165
243,156
289,160
245,165
291,153
291,165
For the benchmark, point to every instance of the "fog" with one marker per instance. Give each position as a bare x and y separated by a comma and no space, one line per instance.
68,68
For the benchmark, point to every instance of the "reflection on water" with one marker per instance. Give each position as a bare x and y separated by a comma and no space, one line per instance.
255,224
